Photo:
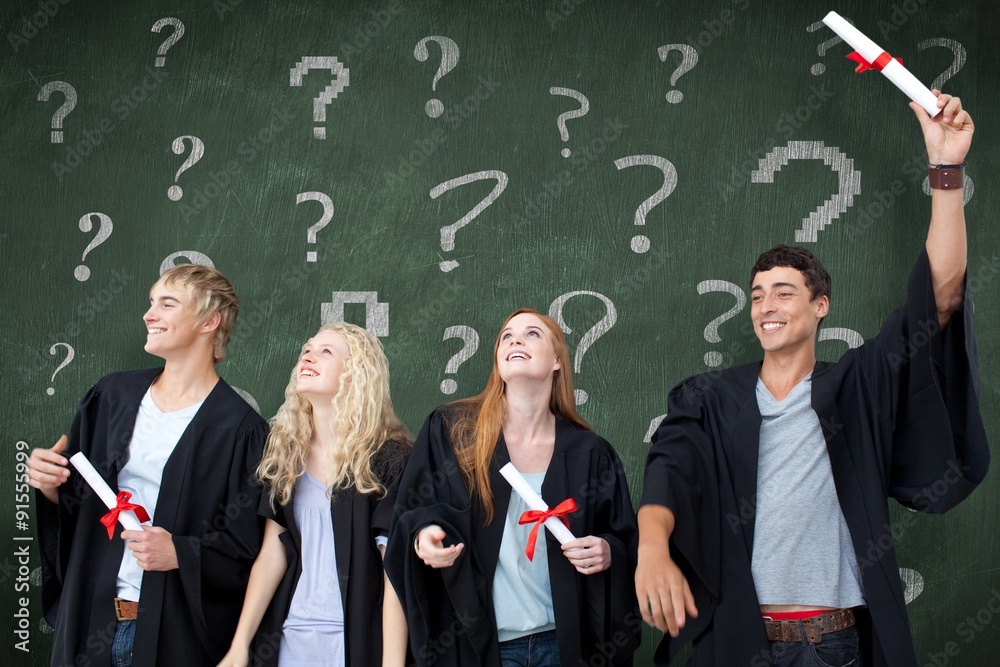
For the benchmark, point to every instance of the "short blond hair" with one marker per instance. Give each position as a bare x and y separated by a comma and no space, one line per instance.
211,292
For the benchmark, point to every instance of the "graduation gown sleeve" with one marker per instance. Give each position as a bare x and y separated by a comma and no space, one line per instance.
449,612
924,383
597,617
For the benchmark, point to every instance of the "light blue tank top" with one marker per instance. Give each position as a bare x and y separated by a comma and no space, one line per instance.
522,594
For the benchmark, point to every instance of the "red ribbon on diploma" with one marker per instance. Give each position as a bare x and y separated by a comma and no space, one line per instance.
877,64
560,511
111,518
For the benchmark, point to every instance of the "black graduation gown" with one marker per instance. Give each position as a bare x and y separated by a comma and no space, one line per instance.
450,611
901,419
208,501
358,518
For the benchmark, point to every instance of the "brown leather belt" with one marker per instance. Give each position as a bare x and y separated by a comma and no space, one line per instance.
126,610
811,630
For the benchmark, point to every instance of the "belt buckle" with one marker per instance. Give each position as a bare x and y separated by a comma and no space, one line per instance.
121,615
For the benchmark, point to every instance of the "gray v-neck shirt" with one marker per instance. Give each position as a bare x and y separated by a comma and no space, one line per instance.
802,549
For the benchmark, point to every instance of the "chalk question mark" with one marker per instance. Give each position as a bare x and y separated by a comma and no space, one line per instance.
81,272
956,64
602,327
174,192
714,358
848,181
245,395
63,111
448,232
849,336
192,257
640,243
161,53
341,79
567,115
689,58
819,68
327,203
913,582
470,343
968,186
654,424
69,357
449,60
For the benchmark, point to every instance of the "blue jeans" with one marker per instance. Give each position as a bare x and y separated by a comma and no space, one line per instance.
121,647
538,650
838,649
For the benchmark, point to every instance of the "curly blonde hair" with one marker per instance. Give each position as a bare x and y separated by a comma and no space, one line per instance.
364,421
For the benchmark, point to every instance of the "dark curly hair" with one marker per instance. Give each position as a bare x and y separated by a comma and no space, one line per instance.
817,279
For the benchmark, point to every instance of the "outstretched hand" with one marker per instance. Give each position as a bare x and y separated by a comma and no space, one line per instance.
664,595
430,548
47,469
949,134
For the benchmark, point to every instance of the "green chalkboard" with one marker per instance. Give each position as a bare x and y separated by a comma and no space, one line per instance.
317,173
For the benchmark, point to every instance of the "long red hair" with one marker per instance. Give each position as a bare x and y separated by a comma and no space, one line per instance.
479,421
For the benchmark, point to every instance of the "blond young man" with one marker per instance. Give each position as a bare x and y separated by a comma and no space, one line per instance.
185,445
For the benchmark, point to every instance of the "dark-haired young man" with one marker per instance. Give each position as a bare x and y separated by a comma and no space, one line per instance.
767,484
186,446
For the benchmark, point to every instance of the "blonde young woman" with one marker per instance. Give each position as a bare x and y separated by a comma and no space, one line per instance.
336,447
458,555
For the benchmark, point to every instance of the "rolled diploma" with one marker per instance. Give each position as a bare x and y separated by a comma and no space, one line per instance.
127,519
893,71
535,502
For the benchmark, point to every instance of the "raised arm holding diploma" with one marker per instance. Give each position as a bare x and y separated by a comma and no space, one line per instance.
877,58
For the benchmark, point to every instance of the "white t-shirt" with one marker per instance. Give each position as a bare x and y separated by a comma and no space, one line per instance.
154,437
